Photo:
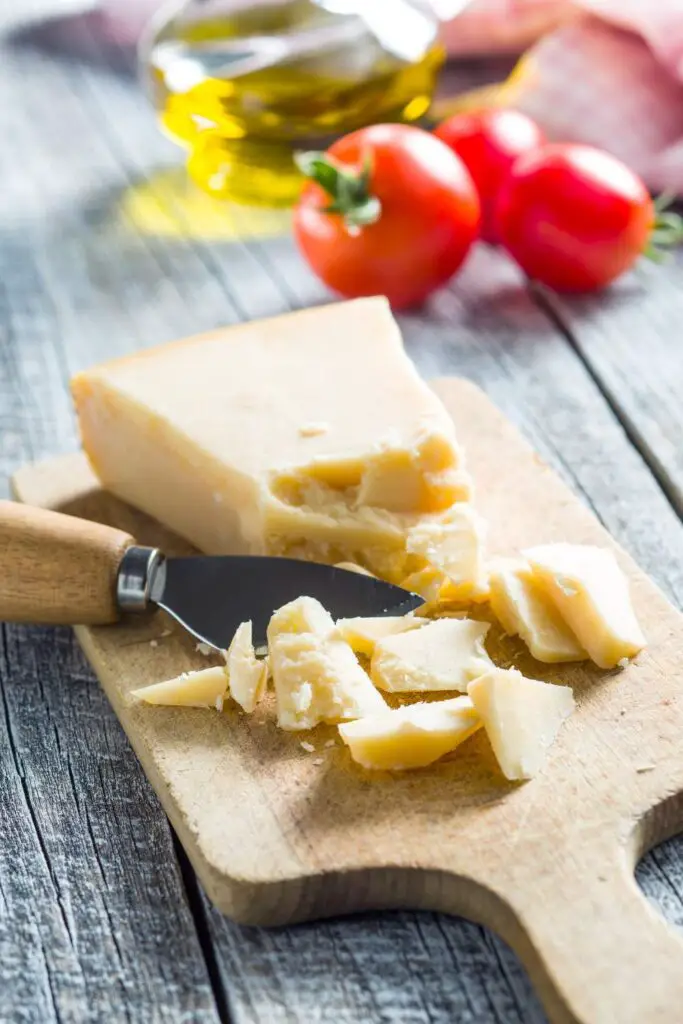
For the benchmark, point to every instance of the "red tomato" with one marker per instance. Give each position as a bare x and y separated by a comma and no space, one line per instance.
573,217
407,244
488,142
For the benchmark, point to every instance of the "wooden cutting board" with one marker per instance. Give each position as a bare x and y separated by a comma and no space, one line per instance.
277,834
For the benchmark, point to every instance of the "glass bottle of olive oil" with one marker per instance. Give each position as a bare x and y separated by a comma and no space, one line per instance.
244,84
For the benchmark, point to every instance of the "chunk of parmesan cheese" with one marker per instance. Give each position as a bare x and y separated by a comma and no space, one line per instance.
521,716
412,736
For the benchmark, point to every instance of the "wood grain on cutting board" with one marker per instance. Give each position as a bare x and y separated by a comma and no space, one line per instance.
276,837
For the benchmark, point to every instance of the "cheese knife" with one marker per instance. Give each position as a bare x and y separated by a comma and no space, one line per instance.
62,570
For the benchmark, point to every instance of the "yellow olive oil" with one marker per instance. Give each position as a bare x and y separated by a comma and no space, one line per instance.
244,91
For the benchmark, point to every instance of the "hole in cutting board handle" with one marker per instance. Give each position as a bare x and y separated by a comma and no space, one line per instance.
658,846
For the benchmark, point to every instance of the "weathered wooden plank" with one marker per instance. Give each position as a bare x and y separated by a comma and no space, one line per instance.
629,337
94,923
94,919
122,259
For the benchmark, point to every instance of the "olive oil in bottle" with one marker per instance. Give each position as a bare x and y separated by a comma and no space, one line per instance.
244,84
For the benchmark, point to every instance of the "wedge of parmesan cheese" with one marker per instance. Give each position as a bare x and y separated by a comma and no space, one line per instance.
206,435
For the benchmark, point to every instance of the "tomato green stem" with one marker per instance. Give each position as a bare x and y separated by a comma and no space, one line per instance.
347,187
667,230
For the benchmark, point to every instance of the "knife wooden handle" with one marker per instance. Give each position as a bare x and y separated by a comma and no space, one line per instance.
56,568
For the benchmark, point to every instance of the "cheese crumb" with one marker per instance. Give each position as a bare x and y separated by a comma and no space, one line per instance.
154,643
203,648
318,760
313,429
308,747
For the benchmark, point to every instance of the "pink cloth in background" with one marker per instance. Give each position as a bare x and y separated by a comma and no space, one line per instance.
592,81
605,72
504,26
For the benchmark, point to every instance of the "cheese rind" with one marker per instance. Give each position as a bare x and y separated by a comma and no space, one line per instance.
205,435
524,608
362,634
591,593
316,675
247,674
413,736
521,716
203,689
446,654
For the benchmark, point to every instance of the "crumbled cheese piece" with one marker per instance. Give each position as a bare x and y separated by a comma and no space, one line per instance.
191,689
316,675
313,429
246,673
521,716
154,643
446,654
426,582
453,544
524,609
318,761
412,736
362,634
308,747
591,593
305,615
203,648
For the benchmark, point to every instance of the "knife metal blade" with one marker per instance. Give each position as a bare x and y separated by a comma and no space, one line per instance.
212,595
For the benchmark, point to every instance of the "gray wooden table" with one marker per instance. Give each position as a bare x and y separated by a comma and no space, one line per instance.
103,250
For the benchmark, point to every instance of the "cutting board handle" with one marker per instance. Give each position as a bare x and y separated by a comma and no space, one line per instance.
56,568
596,950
